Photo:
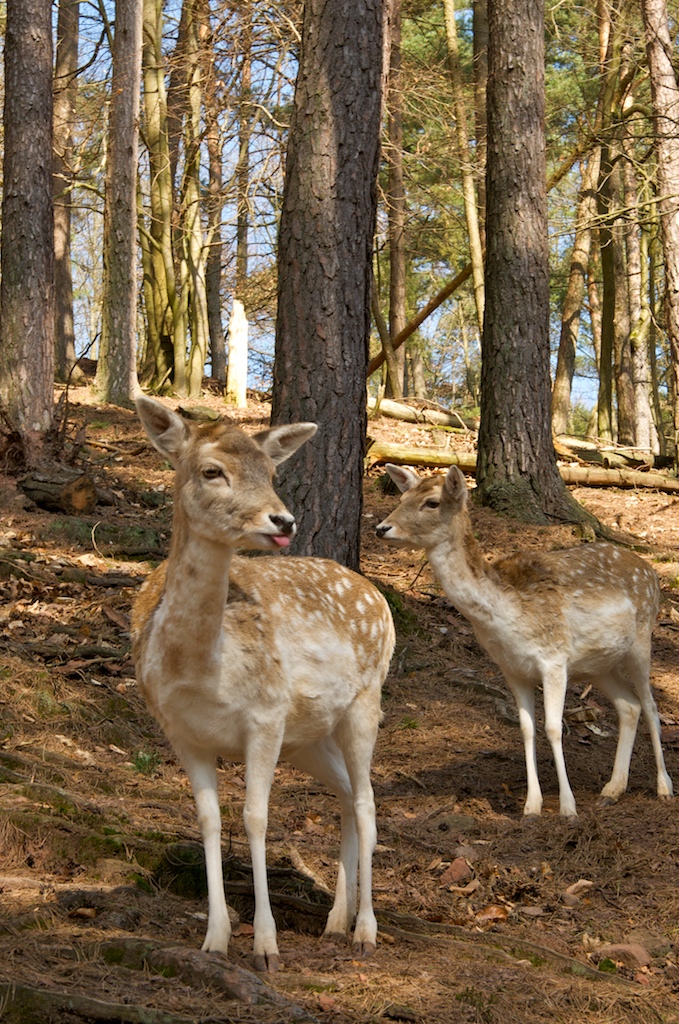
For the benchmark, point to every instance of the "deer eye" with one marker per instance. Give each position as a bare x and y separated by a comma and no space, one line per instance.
212,472
432,503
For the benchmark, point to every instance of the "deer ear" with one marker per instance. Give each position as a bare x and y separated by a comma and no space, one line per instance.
455,486
280,443
167,431
404,478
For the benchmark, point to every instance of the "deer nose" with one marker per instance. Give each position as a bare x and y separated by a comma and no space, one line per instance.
284,523
382,530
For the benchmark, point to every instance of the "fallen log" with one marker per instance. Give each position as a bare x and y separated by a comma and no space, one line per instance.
62,489
401,411
380,452
434,458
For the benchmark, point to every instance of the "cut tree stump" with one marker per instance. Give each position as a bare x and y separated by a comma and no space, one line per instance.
62,489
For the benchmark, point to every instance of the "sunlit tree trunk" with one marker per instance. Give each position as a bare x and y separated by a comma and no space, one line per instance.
116,379
466,165
65,92
193,248
215,199
480,28
575,293
665,96
27,253
168,334
396,207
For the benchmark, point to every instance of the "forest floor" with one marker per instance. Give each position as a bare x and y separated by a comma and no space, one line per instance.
483,917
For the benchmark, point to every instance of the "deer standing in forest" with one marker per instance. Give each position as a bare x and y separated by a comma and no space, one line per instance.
253,659
582,613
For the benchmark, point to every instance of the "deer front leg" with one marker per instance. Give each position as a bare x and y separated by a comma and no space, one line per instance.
261,760
554,683
524,695
203,777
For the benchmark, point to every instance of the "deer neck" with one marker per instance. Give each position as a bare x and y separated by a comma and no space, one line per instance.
462,570
194,599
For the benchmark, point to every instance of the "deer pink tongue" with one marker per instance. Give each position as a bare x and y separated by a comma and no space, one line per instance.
283,542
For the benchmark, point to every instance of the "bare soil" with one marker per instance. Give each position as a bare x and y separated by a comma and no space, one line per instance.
483,917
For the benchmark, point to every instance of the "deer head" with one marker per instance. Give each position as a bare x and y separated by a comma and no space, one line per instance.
431,509
224,485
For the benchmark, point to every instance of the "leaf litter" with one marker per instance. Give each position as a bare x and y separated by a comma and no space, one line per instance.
482,916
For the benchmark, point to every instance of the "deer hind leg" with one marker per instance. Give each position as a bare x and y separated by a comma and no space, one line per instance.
637,668
623,698
203,777
325,761
524,695
356,734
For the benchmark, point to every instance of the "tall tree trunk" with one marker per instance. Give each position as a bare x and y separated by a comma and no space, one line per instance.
575,293
480,28
116,379
27,253
325,270
464,155
665,96
65,92
193,249
215,202
517,468
243,163
167,335
396,207
622,349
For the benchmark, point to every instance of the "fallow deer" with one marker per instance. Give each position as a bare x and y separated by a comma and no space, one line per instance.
582,613
253,659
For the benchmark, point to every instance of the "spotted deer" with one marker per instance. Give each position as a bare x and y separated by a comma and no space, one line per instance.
256,659
544,618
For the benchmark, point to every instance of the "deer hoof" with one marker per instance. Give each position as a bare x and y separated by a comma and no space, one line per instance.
363,949
267,963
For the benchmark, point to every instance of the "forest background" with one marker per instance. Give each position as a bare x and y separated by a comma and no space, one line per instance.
214,111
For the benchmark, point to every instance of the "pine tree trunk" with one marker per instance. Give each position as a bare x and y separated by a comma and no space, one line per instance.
27,255
169,351
575,293
665,96
517,468
116,379
215,203
65,92
325,270
466,166
396,208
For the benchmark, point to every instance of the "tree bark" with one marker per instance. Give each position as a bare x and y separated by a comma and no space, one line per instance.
575,293
167,332
396,207
464,155
65,92
517,469
116,379
215,201
665,96
27,253
325,270
235,392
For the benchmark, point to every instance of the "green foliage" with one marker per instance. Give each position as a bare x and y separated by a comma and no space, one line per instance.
146,763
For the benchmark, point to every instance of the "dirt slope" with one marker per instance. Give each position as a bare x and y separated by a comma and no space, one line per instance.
483,918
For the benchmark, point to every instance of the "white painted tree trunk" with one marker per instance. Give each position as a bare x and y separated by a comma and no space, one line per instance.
237,368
